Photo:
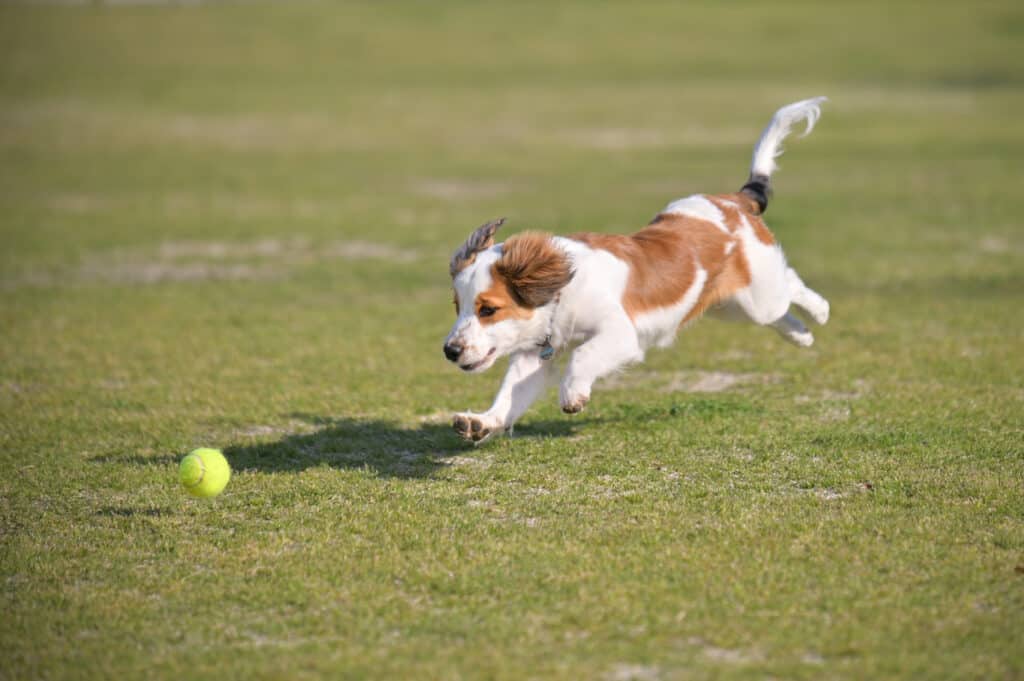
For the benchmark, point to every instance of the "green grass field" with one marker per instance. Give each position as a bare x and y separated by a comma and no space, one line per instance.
229,225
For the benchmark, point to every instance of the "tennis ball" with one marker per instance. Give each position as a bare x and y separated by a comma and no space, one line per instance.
204,472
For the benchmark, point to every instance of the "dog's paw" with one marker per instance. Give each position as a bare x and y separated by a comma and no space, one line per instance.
576,406
801,339
573,402
817,308
821,312
475,428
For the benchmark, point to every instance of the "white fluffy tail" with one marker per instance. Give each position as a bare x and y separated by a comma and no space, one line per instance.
769,147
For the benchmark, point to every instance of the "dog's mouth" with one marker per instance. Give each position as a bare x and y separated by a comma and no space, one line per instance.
476,365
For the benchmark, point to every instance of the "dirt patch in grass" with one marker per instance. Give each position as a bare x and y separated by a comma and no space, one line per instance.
293,249
459,189
686,381
625,139
219,250
178,205
711,381
80,122
458,460
728,655
158,272
998,245
185,261
835,405
368,250
633,672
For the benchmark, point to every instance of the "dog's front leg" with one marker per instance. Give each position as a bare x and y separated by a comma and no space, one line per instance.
524,381
611,348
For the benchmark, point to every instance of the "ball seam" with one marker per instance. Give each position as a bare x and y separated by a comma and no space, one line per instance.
202,472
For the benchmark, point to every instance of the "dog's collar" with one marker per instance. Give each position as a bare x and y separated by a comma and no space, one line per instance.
547,351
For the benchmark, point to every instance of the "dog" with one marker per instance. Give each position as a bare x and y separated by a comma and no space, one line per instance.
612,297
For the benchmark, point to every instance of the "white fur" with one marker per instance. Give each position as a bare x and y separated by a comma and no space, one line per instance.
590,310
698,206
767,298
769,147
527,377
807,300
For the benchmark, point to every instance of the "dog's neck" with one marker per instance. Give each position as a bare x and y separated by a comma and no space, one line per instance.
557,329
547,348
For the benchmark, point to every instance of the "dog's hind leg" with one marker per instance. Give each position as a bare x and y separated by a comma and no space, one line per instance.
774,287
807,300
793,330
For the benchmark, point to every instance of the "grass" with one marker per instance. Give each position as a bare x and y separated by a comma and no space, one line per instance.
228,225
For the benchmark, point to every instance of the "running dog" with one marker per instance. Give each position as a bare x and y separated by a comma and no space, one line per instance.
611,297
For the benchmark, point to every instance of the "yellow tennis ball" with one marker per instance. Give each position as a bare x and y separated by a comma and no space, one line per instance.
204,472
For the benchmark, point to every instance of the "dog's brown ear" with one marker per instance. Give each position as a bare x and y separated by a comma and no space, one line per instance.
534,268
480,240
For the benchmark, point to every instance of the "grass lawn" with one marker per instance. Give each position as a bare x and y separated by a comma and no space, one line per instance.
228,225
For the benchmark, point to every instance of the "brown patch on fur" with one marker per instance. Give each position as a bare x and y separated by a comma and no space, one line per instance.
664,258
732,204
533,269
761,231
734,275
499,296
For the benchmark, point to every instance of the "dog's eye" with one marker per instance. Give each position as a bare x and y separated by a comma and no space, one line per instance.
486,311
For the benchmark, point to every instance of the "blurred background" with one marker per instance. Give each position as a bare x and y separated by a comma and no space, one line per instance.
347,148
125,124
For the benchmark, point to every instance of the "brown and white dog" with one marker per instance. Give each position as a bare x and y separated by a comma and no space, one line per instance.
616,296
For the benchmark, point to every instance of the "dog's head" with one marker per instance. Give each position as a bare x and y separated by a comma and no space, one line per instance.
504,294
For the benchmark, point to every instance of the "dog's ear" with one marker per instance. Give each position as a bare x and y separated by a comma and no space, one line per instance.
534,268
480,240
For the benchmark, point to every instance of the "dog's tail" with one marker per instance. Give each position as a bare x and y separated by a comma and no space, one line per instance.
769,147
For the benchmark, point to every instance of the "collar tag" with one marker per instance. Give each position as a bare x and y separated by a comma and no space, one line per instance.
546,350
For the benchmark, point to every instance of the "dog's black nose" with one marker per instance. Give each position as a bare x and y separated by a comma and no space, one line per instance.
452,352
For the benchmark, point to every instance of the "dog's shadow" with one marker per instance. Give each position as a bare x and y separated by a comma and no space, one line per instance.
387,448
